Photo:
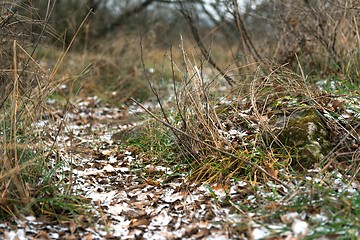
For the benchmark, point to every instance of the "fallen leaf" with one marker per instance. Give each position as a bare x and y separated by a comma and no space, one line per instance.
72,226
139,222
162,219
151,169
88,237
273,172
42,235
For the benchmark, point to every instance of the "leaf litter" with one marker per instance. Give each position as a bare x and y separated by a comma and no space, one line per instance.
129,201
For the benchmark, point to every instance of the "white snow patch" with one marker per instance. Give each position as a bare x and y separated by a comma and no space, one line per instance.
260,233
300,228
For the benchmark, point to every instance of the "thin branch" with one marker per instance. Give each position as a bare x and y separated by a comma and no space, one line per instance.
158,98
242,30
128,13
200,44
175,90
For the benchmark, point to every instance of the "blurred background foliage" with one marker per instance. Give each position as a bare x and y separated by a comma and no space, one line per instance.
321,38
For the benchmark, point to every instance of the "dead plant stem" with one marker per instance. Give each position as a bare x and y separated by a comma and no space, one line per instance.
16,178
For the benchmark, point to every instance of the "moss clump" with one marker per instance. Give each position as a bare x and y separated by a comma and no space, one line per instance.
304,133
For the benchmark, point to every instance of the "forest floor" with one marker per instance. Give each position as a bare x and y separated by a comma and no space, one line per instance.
127,195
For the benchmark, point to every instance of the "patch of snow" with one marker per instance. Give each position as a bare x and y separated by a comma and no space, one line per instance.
54,235
300,228
289,217
162,219
259,233
320,218
30,218
251,198
170,198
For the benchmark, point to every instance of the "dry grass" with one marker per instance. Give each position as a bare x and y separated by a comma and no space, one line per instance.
113,69
115,72
315,41
201,121
25,172
324,35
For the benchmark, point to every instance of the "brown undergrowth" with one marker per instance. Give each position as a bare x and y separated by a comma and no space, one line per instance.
245,121
27,183
236,133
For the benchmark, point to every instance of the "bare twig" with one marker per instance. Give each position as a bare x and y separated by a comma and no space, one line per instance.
176,92
158,97
242,30
200,44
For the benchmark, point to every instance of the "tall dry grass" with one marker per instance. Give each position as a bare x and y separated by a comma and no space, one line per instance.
229,134
26,170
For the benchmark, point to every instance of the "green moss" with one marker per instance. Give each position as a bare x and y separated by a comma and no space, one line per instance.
304,132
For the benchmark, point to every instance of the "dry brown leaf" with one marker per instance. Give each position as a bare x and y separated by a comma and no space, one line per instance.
139,222
69,237
42,235
220,186
72,226
88,237
152,182
201,234
273,172
151,169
